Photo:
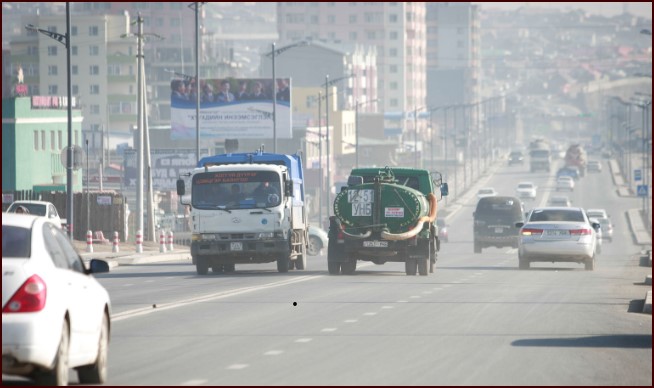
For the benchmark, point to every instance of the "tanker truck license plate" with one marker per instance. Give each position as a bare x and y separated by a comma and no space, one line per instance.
236,246
375,244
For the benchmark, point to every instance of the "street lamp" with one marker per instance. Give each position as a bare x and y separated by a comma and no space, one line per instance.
196,7
273,53
415,135
65,40
356,125
327,84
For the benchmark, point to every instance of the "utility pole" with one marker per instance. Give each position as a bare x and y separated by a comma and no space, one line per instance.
196,7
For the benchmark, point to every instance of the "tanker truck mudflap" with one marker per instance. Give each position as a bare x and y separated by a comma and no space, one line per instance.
386,215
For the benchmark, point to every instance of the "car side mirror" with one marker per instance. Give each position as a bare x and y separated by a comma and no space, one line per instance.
519,224
596,226
181,190
445,190
98,266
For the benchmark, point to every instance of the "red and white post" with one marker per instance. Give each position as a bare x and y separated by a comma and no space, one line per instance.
89,241
139,241
170,240
116,241
162,241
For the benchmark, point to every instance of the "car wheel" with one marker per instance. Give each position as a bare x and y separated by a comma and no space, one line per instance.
334,267
58,375
96,373
314,246
590,264
423,266
283,264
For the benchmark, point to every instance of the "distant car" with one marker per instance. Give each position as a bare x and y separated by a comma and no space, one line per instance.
516,157
493,222
526,190
597,213
599,233
560,200
565,183
318,239
55,315
443,233
569,171
486,192
557,234
37,208
594,166
607,229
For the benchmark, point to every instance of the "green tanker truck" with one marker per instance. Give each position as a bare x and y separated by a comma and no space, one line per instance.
386,215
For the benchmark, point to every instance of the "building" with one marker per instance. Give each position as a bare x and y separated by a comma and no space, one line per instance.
396,29
34,134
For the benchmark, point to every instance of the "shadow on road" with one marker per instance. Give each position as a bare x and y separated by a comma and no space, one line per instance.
632,341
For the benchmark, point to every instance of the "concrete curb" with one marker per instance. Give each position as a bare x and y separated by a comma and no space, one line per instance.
647,307
637,226
648,280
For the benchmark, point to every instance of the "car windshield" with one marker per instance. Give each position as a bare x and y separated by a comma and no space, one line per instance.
557,215
235,190
16,242
497,206
525,186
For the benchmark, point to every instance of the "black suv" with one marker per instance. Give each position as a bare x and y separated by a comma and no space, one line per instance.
516,157
494,222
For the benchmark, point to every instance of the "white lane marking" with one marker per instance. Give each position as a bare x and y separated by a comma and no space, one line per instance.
206,298
128,285
351,320
303,340
149,281
369,314
402,301
426,292
387,307
478,273
329,329
415,296
237,366
273,353
195,382
446,285
437,289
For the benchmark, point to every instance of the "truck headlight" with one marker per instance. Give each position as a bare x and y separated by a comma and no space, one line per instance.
207,237
266,235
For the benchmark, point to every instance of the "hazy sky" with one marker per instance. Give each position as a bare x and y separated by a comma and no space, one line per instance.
643,9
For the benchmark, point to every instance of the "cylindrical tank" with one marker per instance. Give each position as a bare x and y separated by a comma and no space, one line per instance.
380,206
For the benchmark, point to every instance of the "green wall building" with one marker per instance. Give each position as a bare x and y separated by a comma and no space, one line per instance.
34,133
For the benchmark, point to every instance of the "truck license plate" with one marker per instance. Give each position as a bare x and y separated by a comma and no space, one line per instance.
236,246
375,244
499,230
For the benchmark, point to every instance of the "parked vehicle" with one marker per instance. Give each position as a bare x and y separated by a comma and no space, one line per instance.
38,208
318,239
386,215
247,208
557,234
55,315
526,190
605,221
494,220
443,232
565,183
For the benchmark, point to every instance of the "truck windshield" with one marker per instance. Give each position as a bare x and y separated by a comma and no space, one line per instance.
540,153
236,190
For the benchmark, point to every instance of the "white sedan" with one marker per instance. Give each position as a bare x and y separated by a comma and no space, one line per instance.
526,190
55,315
486,192
565,183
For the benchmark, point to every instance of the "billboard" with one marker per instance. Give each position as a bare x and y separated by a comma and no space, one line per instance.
230,108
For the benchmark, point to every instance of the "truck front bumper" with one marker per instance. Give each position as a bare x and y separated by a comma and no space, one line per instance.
242,251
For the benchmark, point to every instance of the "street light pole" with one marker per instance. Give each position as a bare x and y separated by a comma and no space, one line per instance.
322,190
88,212
65,40
356,131
196,7
329,186
274,95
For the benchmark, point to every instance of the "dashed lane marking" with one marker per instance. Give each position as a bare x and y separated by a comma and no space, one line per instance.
273,353
303,340
237,366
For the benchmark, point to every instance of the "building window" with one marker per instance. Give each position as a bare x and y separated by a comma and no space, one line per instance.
52,140
392,35
394,85
52,51
394,102
94,70
74,90
460,30
94,31
74,69
32,50
158,22
95,109
353,19
392,52
73,30
43,140
113,70
53,90
94,50
94,89
175,22
73,50
353,35
331,19
36,140
52,70
459,43
314,19
59,138
392,18
371,35
392,68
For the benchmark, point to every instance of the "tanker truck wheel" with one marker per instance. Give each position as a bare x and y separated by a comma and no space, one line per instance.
349,267
411,266
201,265
432,266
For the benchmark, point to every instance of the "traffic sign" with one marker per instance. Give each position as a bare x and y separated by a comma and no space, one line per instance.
638,175
642,190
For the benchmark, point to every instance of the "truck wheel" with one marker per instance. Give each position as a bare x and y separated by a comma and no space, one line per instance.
411,266
334,267
283,264
201,265
432,266
477,247
349,267
423,266
301,261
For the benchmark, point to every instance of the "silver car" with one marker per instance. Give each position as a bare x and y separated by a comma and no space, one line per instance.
318,239
558,234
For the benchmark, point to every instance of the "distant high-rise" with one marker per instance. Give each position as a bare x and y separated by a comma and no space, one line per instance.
397,30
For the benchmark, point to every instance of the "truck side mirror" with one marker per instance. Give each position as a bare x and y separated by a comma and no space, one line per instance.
288,188
444,190
181,190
